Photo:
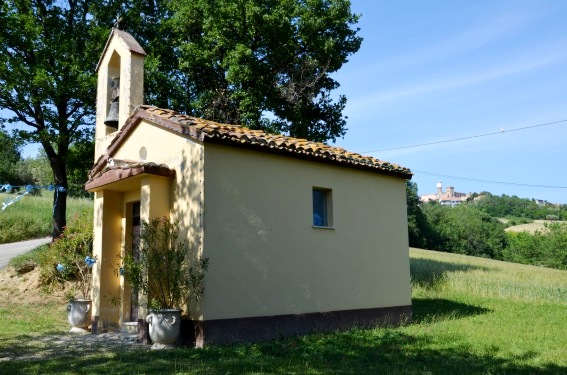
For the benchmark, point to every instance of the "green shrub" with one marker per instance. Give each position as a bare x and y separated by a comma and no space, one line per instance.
465,230
174,280
546,248
66,258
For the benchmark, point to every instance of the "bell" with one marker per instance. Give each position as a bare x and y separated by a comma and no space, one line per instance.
112,118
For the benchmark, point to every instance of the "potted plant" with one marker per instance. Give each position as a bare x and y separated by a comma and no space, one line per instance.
79,309
72,254
162,271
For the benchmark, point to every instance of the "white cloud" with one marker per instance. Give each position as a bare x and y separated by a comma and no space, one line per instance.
532,61
492,30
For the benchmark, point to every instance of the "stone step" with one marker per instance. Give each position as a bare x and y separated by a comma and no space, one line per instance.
129,327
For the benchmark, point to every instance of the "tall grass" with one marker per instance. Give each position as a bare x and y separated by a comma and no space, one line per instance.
515,313
486,277
471,316
31,216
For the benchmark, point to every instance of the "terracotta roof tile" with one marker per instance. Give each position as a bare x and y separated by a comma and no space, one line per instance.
115,170
210,131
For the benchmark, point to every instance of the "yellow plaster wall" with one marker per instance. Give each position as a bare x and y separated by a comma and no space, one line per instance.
188,205
181,199
118,60
107,247
182,154
161,146
186,157
127,199
266,258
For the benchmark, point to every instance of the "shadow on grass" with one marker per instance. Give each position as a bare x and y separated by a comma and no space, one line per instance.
435,309
429,273
55,345
385,351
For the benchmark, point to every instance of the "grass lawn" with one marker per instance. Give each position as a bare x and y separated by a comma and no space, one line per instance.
471,316
32,216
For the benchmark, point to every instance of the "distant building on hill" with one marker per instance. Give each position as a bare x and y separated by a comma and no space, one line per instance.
541,202
448,198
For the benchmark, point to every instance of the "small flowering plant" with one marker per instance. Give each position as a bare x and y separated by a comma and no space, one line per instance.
80,269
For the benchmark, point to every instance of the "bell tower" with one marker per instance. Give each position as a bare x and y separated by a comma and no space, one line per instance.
120,87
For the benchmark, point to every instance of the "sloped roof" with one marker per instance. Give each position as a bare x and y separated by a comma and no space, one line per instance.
128,39
116,170
239,136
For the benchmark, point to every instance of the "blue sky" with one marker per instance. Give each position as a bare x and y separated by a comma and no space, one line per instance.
437,70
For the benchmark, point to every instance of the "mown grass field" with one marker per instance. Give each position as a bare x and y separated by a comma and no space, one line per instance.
471,316
31,216
536,225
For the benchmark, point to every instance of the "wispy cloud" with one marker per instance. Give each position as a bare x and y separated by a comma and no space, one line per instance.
491,30
468,77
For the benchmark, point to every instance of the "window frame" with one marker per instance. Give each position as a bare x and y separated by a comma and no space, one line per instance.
322,205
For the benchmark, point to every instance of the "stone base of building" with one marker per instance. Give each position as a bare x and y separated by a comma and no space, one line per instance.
227,331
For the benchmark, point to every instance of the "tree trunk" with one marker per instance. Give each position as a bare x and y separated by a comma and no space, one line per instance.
59,211
59,196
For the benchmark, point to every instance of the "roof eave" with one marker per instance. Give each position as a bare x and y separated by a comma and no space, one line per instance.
114,175
399,173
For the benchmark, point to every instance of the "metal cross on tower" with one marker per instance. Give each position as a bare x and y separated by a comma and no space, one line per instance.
117,21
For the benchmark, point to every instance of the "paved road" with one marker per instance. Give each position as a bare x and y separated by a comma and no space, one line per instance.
10,250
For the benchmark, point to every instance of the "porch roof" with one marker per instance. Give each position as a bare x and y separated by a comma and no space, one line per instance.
119,170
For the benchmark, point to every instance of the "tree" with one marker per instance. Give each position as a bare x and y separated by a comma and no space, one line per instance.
513,206
261,63
418,227
36,170
265,64
547,247
465,230
48,53
79,163
9,157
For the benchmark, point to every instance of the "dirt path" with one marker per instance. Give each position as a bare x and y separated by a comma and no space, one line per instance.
10,250
67,345
24,290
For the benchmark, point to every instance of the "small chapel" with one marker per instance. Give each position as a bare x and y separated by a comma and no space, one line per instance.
300,236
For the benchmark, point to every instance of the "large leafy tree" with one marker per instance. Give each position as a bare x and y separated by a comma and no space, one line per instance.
464,229
261,63
9,157
48,52
266,64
